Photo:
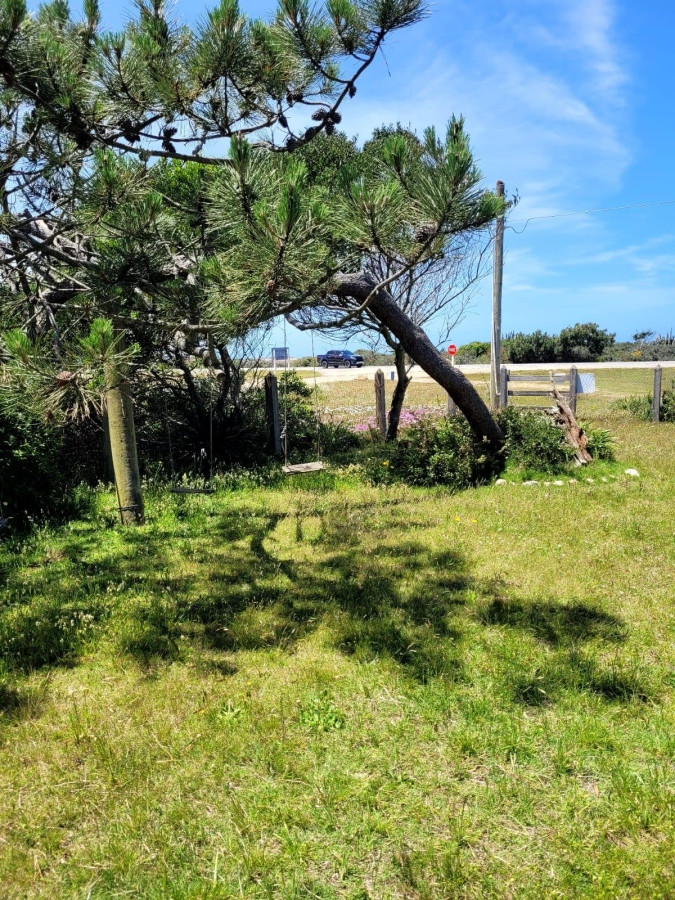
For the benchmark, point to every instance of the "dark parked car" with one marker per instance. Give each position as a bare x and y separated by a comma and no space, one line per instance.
339,358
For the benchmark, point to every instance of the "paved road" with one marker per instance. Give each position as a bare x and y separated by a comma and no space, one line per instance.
325,376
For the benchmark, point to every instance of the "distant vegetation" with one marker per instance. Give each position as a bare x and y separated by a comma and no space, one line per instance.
580,343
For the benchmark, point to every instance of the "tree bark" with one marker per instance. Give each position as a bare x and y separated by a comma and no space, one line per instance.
122,435
420,349
399,392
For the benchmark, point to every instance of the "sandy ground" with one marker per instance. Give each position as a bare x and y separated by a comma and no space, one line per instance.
325,376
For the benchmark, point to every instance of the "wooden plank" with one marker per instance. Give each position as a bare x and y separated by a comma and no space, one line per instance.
272,408
301,468
656,403
191,490
531,393
573,390
504,388
557,379
380,404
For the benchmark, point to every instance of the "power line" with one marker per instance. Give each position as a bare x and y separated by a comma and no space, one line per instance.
587,212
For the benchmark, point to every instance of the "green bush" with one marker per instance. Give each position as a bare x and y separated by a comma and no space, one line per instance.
537,347
642,406
473,351
583,343
443,451
533,442
600,442
668,404
41,464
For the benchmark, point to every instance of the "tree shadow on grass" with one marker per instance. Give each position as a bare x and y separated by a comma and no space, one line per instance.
555,624
566,628
240,585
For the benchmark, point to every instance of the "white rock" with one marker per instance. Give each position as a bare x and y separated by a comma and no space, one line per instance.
573,481
500,481
547,484
558,483
632,472
528,483
604,479
590,480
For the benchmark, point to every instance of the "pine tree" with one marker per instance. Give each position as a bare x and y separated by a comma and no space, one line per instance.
84,114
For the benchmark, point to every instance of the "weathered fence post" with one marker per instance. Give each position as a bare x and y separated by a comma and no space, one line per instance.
272,408
656,404
504,388
380,404
573,389
452,407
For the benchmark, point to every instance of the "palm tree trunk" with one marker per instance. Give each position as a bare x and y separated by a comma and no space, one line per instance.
122,437
399,393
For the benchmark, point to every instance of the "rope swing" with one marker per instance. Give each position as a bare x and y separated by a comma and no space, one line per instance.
207,487
318,464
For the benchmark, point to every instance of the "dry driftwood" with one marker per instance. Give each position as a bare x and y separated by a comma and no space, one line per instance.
574,433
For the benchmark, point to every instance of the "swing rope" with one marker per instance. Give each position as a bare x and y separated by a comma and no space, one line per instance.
301,467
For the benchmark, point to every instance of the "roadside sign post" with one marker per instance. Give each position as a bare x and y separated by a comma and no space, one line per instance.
452,350
497,285
280,353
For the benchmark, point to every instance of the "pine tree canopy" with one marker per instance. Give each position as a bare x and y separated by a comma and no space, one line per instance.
160,89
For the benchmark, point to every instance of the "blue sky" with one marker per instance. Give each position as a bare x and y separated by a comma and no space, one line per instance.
569,103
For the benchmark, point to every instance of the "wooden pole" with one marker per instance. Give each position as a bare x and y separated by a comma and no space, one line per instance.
380,404
497,282
656,403
573,389
504,387
272,407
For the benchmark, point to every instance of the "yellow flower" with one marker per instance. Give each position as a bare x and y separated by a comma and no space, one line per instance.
386,462
474,521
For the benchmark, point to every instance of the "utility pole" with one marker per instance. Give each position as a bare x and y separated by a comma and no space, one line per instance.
497,281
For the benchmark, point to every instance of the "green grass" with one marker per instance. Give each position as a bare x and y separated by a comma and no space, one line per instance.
318,688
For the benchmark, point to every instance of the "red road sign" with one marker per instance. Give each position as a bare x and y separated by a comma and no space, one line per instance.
452,349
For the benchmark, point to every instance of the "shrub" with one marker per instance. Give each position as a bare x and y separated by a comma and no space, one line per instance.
668,404
473,351
533,442
442,451
537,347
640,407
600,442
40,464
583,343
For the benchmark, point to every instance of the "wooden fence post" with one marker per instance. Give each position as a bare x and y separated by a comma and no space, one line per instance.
504,388
573,389
272,408
452,407
656,404
380,404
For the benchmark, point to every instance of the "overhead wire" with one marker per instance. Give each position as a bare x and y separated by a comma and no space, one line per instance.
587,212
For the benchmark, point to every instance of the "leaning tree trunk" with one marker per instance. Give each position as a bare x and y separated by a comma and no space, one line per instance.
420,349
399,393
122,436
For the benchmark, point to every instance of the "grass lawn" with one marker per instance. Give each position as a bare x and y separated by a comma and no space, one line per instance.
316,688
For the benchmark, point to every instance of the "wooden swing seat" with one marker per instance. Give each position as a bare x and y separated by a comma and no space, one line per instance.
302,468
192,490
